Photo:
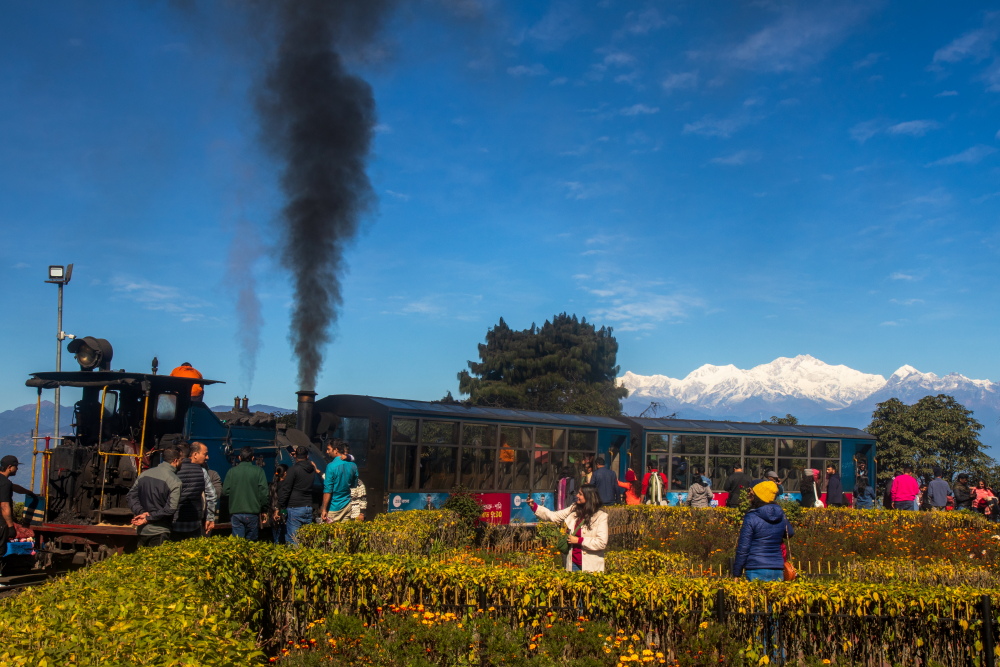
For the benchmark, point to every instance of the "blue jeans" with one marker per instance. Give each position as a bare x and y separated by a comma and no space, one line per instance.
297,517
278,532
765,575
245,525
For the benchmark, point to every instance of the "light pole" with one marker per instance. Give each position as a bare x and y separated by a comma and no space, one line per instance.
59,276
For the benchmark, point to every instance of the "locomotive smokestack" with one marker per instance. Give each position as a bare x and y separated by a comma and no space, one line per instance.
304,420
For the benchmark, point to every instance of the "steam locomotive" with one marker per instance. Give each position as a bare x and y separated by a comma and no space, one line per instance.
121,423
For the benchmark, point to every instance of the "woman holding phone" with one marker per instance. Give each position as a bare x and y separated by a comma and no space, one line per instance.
587,526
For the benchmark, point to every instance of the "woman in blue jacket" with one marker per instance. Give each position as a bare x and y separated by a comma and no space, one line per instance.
758,551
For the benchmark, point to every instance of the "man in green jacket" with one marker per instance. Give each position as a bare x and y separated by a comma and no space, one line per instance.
246,488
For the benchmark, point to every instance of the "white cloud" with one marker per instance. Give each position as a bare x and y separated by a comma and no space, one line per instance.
450,306
398,195
968,156
559,81
738,158
975,45
913,128
561,24
906,302
679,81
889,324
629,306
947,93
618,59
528,70
865,130
646,21
382,128
868,60
899,275
21,265
639,110
798,39
710,126
162,298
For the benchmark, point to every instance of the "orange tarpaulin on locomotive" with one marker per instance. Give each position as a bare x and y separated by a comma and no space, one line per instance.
186,370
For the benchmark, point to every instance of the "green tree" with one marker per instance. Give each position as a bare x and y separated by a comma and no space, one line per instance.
566,365
935,432
787,420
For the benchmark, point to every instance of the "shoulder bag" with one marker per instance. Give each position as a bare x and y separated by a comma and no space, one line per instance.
817,502
789,569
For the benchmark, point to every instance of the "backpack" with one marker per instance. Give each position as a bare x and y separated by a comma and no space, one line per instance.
654,492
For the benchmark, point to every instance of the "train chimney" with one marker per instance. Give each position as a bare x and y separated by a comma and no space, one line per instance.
304,422
246,404
236,404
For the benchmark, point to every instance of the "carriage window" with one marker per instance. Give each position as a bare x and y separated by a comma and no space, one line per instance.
583,441
404,430
689,444
475,435
760,447
720,468
401,467
657,443
440,433
718,444
796,448
477,468
438,468
550,438
166,407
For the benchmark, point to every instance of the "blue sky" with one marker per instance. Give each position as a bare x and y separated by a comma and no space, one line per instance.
719,182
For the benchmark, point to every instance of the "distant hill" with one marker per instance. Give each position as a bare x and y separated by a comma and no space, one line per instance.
815,392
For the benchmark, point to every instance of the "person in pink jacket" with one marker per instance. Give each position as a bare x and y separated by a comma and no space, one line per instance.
905,490
588,529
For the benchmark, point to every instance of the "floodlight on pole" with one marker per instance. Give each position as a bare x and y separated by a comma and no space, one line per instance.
60,276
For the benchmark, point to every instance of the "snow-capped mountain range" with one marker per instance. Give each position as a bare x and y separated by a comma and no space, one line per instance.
813,391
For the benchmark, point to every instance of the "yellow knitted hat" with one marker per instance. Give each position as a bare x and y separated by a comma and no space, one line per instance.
766,491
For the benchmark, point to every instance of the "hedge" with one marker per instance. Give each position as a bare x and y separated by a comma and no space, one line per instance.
401,533
215,601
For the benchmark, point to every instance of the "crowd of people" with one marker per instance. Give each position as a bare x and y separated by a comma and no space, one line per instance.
179,498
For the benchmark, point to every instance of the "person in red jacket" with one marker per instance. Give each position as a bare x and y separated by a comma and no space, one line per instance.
186,370
652,470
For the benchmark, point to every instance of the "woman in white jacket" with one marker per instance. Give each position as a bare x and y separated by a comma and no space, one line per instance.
588,529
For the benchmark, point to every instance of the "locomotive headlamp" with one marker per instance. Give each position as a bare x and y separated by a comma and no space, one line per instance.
92,353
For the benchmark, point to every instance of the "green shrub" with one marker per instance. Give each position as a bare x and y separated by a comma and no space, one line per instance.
401,533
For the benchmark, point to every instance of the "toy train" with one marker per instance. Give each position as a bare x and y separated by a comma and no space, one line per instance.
411,454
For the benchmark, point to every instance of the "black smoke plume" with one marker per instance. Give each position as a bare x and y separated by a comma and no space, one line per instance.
319,121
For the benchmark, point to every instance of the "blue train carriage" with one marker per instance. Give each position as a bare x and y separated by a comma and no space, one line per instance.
120,423
682,447
412,454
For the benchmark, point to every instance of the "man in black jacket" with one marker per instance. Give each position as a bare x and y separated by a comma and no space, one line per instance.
295,494
735,484
834,489
606,482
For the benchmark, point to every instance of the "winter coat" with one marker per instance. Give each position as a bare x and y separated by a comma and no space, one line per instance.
595,538
834,491
759,544
734,485
963,497
699,495
865,500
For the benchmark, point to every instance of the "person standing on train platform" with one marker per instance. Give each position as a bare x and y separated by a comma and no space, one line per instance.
905,490
834,488
153,499
340,476
735,484
246,488
606,482
195,514
654,483
186,370
938,492
295,494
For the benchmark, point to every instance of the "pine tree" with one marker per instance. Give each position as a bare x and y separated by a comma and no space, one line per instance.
566,365
935,432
